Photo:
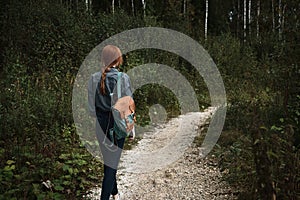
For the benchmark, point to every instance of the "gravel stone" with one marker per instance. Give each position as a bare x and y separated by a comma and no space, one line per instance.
189,177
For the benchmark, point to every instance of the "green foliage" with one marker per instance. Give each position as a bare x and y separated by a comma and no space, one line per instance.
51,173
259,149
44,43
42,152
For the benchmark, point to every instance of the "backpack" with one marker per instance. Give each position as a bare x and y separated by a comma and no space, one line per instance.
123,112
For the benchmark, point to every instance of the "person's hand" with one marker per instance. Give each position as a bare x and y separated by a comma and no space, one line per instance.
132,134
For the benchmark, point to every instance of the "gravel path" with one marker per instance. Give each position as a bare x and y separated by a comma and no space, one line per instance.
166,164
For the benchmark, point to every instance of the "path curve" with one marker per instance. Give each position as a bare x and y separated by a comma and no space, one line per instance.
184,175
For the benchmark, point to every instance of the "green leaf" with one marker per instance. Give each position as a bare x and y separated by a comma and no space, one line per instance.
18,177
57,196
256,141
275,128
59,188
66,182
41,196
64,156
8,175
271,154
2,151
66,167
9,162
263,127
76,171
9,168
36,189
67,177
70,170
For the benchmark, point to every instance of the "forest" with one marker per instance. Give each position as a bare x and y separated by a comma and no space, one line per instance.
254,43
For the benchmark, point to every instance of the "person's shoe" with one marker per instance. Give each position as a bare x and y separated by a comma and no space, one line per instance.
117,197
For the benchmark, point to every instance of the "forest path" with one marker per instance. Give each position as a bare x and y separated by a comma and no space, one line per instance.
165,166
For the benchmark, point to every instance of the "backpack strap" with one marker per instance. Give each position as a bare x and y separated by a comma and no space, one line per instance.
119,85
108,88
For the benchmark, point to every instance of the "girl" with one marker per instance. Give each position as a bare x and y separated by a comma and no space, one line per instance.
100,97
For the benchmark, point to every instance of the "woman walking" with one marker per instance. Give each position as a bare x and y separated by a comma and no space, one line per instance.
100,98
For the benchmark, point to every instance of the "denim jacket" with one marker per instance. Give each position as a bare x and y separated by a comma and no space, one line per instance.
102,103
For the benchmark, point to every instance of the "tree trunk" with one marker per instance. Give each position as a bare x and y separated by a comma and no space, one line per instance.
280,19
132,7
249,16
206,20
257,19
87,5
238,19
245,20
273,16
113,6
184,7
144,7
283,22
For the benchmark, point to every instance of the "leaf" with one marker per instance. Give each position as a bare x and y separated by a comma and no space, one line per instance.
40,196
275,128
36,189
263,127
59,188
80,162
67,177
9,168
76,171
66,167
70,170
66,182
9,162
271,154
57,196
64,156
18,177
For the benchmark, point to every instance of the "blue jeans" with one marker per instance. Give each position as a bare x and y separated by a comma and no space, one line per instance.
111,150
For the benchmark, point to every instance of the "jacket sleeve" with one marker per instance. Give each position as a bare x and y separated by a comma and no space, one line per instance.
126,86
91,96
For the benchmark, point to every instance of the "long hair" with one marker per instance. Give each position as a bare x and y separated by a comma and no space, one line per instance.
111,57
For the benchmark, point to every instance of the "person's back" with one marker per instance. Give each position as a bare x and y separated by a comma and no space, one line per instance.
101,97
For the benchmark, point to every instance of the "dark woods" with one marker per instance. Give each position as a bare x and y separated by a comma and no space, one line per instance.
254,43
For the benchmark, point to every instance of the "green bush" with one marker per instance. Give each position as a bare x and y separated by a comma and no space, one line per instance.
42,54
258,148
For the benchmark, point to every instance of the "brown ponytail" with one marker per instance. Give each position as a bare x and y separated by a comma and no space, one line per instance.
111,57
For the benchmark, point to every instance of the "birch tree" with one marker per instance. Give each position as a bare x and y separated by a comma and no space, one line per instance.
132,7
281,18
238,18
257,18
249,16
88,5
273,15
245,19
206,20
144,7
184,7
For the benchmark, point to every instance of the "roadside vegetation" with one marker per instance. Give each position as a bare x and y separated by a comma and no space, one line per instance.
43,44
